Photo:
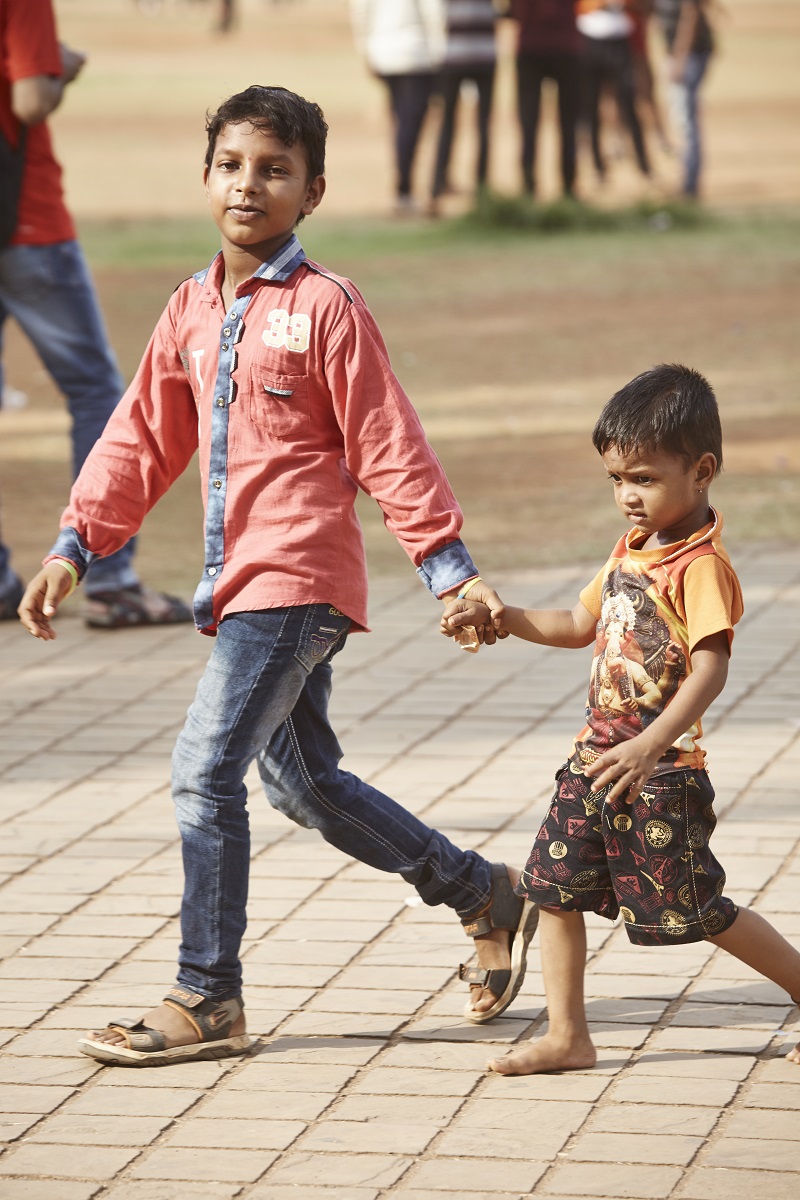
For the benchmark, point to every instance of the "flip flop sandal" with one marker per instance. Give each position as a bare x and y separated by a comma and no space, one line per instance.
146,1047
505,910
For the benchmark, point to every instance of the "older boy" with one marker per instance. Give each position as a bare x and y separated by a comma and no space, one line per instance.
276,370
629,826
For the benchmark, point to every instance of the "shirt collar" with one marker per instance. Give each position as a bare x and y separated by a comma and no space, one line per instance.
278,268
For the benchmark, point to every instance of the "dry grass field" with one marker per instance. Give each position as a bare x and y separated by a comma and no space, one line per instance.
508,341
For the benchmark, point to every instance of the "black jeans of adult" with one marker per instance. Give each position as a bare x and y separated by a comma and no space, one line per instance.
409,96
565,71
449,87
609,61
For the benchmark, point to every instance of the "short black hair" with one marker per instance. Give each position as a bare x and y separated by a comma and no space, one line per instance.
669,407
278,111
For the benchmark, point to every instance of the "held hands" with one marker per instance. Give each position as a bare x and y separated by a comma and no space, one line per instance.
43,595
631,764
481,612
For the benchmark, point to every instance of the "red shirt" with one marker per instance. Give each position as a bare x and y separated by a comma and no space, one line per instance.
29,46
291,399
546,26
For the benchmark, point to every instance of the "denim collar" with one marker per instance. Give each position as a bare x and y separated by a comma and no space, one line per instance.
283,263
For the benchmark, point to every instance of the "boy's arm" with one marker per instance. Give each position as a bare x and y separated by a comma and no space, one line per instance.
389,457
631,763
545,626
147,443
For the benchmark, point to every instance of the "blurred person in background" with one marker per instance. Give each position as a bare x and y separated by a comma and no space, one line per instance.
470,56
403,43
607,27
548,47
690,44
46,287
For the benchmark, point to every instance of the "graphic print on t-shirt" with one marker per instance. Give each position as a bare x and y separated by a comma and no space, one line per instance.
637,666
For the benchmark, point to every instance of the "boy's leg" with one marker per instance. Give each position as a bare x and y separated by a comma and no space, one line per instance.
251,683
262,666
566,1045
753,941
301,776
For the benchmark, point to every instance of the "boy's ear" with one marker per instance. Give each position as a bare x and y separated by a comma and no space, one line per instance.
314,193
705,470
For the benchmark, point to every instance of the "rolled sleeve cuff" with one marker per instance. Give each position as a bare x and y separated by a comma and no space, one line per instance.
70,546
447,568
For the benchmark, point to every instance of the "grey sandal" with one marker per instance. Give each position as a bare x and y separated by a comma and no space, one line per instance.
146,1047
505,910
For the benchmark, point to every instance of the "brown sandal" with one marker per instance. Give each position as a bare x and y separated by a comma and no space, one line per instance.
146,1047
505,910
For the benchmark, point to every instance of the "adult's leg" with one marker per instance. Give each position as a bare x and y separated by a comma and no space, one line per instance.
565,70
410,96
10,583
49,293
529,90
449,87
594,75
566,1045
484,80
696,65
620,62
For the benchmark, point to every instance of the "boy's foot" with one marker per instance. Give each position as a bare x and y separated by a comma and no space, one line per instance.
185,1022
502,949
127,608
794,1055
546,1054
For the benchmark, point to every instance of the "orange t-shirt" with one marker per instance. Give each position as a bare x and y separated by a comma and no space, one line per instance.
652,608
29,46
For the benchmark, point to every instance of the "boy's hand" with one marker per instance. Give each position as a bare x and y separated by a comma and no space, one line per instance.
72,63
631,764
487,597
43,595
467,612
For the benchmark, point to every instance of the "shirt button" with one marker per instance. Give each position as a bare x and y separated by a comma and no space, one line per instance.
212,570
217,483
226,333
220,401
224,345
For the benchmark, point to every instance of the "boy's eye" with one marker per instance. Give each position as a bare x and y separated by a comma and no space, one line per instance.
643,479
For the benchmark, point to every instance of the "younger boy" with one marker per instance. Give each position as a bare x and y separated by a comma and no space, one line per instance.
632,814
276,371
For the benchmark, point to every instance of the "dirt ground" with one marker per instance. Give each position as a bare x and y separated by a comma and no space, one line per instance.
508,346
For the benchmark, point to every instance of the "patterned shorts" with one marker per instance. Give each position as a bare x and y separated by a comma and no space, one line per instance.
648,860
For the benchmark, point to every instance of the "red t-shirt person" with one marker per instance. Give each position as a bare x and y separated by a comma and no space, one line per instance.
28,47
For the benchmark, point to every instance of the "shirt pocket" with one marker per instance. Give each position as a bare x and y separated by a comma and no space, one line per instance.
280,403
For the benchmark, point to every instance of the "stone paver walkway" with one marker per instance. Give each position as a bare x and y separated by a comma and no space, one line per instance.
366,1083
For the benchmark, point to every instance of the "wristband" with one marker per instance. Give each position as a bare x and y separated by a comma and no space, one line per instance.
71,571
468,587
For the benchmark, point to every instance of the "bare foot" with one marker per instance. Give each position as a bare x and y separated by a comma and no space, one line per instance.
177,1028
547,1053
493,951
794,1055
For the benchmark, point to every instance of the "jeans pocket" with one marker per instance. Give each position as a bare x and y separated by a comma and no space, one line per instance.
324,633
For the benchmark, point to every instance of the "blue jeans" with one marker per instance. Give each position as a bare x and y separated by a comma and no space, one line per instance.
264,696
687,111
49,293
